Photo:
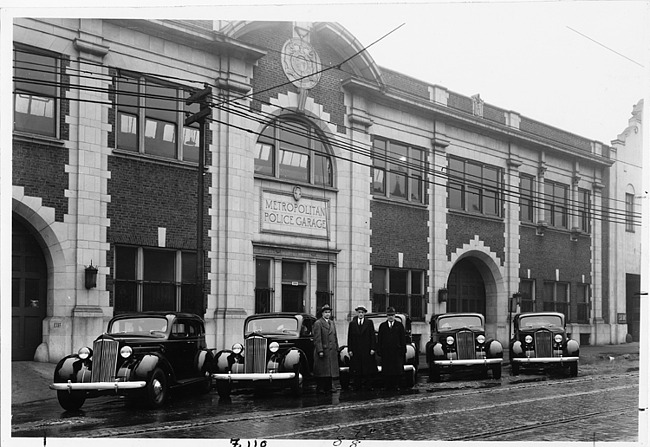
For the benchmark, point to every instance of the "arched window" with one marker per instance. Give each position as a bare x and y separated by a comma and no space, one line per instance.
291,149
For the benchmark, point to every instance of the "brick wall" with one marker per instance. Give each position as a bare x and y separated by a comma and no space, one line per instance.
40,168
462,229
399,229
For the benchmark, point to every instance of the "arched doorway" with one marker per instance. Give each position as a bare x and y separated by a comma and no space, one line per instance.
28,292
466,288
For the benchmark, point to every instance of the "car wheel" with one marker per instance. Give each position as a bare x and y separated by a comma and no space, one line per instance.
514,368
434,373
410,378
223,388
70,400
157,389
496,372
573,369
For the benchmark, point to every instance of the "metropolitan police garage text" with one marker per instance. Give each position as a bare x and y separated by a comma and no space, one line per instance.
288,213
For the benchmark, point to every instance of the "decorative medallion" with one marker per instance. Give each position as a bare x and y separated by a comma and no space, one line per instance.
297,193
301,63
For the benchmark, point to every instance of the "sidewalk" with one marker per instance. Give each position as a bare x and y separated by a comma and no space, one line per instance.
30,380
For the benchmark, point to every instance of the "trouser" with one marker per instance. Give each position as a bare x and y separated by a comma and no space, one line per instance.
324,384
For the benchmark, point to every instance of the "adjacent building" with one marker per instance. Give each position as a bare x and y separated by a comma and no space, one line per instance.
318,177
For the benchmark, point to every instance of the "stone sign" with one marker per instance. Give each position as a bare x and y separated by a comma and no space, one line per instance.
294,213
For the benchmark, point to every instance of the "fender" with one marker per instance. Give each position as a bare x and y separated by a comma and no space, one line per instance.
437,351
204,361
292,358
344,356
516,348
495,349
227,361
572,348
410,357
74,369
144,367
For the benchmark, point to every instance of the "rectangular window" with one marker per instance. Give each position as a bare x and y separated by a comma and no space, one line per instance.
150,115
156,279
35,93
556,196
263,288
584,210
398,171
474,187
324,293
527,290
629,213
526,208
405,291
583,304
556,298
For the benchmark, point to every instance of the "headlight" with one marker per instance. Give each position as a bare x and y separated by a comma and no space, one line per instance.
237,348
481,339
126,352
84,353
273,347
528,339
450,340
558,338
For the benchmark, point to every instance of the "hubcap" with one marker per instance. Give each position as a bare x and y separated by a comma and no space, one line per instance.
157,387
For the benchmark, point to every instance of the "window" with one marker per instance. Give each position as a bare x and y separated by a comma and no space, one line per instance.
324,292
556,196
156,279
629,212
398,170
527,290
401,289
293,150
583,304
584,210
555,298
149,116
526,195
474,187
35,93
263,288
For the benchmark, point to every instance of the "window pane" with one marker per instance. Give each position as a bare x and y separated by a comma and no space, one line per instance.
397,157
455,195
160,138
379,181
525,199
294,165
127,136
34,114
191,144
397,185
125,262
490,203
262,273
292,271
159,265
416,283
294,137
127,95
379,280
415,189
161,102
379,153
35,73
264,159
472,199
323,277
398,281
322,170
188,268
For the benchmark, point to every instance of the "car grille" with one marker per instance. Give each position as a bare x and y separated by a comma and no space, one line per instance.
543,345
104,360
465,345
255,349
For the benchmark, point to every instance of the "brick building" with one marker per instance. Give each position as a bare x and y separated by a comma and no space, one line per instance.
327,179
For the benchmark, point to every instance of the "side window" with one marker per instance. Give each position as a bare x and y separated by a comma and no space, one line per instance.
306,330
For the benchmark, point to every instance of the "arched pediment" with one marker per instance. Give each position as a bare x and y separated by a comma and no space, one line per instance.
339,39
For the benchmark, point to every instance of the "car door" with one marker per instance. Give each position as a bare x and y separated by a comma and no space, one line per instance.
182,348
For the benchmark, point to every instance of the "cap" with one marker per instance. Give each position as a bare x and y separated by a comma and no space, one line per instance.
325,307
361,308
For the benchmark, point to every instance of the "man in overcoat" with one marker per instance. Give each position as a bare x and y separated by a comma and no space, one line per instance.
361,348
326,348
391,347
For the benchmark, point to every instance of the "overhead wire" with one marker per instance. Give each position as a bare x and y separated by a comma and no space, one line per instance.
344,146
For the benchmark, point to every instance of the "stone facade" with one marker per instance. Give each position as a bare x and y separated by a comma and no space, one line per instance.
84,196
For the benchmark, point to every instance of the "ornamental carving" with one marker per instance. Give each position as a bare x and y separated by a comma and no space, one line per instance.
301,63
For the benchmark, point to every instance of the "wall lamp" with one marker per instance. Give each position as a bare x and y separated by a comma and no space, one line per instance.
91,276
442,295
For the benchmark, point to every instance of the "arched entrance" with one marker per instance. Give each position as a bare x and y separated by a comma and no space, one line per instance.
466,288
28,292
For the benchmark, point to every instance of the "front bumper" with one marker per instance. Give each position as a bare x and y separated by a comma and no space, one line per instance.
468,362
529,360
255,377
97,386
346,369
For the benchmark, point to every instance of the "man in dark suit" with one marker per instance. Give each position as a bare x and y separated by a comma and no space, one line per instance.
361,348
391,347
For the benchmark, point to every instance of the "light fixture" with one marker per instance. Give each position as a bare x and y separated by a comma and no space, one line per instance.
443,293
91,276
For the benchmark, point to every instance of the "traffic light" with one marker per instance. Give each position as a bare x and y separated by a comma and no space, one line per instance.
203,98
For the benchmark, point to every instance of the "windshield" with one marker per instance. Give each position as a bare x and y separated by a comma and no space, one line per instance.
459,322
272,325
538,321
139,325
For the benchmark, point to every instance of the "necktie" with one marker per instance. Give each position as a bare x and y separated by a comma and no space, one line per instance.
360,321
